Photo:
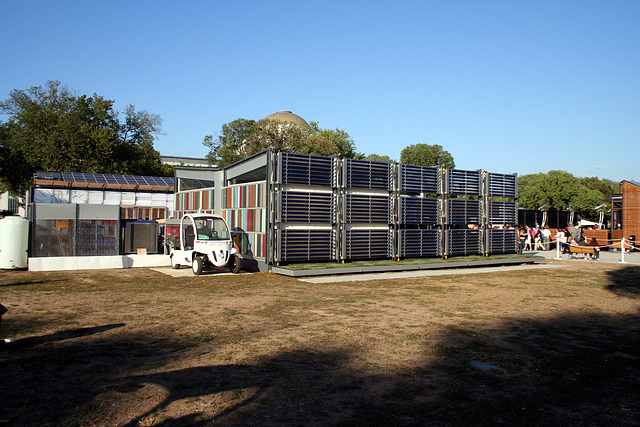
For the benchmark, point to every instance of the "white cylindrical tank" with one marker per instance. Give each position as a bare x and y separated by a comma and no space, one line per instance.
14,242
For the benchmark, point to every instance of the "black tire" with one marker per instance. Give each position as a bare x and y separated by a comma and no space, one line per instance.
197,265
174,265
235,264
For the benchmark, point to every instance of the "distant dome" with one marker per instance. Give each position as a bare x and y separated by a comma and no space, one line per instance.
288,117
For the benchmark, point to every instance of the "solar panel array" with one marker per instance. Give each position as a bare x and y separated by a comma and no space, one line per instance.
462,242
500,185
502,212
420,179
306,207
501,241
419,210
368,244
366,174
306,170
306,245
357,209
462,182
417,243
100,178
463,212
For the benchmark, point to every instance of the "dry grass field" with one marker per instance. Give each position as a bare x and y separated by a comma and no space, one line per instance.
556,346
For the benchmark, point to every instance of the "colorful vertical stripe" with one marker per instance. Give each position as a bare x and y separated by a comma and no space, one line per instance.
194,200
244,196
253,244
254,220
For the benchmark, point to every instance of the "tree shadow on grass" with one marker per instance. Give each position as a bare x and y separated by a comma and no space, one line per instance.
565,370
22,282
290,388
625,282
58,336
562,370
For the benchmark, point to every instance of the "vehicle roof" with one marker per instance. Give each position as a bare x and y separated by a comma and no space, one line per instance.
203,215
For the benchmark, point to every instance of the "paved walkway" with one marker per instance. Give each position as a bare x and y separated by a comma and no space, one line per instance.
605,256
423,273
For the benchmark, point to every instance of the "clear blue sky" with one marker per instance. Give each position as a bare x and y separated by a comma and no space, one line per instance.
504,86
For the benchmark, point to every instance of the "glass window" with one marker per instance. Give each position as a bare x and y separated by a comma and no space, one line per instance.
144,213
158,213
53,237
96,237
185,184
211,229
127,213
189,235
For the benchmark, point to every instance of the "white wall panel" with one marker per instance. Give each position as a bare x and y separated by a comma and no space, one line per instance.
49,195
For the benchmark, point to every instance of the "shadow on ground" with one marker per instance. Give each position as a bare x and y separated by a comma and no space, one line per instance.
563,370
625,282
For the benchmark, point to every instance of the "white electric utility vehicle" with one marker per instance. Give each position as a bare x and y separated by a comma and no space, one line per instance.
205,241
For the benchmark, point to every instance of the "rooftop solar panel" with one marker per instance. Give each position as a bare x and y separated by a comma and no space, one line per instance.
106,178
48,175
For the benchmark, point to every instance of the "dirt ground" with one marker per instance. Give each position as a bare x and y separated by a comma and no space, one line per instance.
136,347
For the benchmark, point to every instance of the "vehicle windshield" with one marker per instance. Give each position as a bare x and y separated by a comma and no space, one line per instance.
211,229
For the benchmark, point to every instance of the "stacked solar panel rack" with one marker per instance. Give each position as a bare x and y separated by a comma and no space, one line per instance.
328,208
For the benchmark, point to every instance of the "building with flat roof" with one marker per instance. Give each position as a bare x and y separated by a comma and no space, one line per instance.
184,161
85,214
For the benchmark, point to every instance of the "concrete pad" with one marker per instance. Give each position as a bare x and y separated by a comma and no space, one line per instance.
613,257
96,262
424,273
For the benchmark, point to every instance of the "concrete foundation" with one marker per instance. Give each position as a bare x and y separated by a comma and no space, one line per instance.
97,262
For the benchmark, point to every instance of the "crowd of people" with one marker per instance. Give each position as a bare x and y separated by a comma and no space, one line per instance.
539,238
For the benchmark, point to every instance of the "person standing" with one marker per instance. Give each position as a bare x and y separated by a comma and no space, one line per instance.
538,239
546,238
529,239
561,239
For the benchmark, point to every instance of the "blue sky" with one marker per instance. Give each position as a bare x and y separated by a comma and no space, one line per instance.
504,86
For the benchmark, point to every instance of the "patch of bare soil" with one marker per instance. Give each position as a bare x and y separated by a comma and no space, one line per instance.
135,347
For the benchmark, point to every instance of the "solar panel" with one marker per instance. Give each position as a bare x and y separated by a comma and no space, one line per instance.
49,175
100,178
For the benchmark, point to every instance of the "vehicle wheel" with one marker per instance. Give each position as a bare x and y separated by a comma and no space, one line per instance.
197,265
174,265
235,264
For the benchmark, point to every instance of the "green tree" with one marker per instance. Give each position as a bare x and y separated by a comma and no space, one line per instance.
558,190
377,158
134,150
242,138
230,146
344,144
49,128
605,186
427,155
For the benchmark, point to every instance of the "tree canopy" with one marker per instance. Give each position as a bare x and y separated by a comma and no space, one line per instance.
427,155
560,190
49,128
377,158
242,138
